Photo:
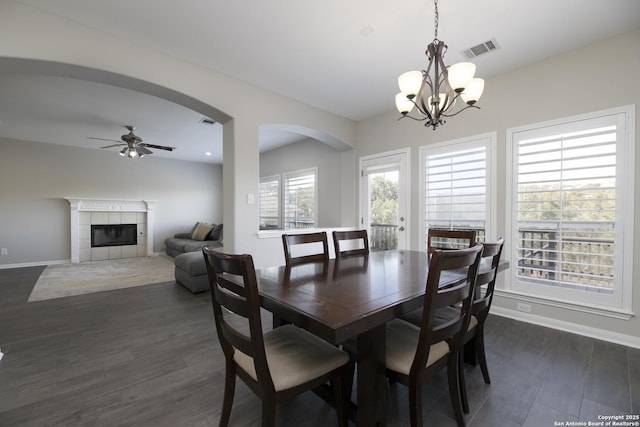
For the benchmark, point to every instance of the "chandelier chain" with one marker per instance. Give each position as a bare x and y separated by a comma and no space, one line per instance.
435,19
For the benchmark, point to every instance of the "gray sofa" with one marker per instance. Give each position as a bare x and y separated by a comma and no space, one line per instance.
182,242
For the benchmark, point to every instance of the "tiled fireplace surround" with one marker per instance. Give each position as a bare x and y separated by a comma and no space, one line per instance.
86,212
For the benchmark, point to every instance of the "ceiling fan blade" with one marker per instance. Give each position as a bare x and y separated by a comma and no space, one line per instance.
157,147
144,150
114,145
103,139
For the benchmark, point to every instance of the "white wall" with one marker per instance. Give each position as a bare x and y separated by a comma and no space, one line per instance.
35,178
597,77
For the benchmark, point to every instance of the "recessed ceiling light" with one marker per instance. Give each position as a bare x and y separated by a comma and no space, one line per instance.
208,153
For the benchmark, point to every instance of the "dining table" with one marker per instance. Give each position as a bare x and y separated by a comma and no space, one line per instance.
350,300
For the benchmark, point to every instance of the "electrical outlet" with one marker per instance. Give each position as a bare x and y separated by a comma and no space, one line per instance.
4,251
524,307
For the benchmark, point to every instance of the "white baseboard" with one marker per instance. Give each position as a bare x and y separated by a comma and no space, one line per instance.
33,264
587,331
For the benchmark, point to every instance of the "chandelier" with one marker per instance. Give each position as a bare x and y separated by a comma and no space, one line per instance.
436,90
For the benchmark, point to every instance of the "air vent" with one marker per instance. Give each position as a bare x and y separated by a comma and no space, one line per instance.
480,49
207,121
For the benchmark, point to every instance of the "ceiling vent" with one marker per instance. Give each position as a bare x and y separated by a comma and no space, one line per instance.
480,49
207,121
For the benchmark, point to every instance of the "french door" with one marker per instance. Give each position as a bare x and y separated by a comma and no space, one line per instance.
384,191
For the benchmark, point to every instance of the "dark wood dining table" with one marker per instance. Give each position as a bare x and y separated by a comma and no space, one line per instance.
350,299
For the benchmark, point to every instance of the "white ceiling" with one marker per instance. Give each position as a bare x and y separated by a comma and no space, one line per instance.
341,56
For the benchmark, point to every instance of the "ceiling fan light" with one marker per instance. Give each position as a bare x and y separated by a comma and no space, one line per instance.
460,75
403,104
410,83
123,152
473,91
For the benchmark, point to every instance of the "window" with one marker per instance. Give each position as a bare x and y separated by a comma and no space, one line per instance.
300,199
572,219
457,183
270,203
289,201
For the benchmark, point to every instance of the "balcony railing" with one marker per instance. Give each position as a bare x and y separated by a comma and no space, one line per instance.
581,258
383,237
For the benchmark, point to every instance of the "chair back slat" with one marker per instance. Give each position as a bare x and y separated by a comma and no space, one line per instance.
438,238
487,276
341,236
237,340
289,240
456,295
234,288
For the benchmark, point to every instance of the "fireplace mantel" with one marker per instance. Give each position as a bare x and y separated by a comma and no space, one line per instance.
108,205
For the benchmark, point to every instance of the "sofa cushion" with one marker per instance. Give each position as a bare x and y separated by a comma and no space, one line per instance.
190,233
193,245
216,233
201,231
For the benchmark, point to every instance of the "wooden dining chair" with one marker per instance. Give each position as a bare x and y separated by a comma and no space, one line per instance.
474,337
277,365
290,240
439,238
358,236
414,353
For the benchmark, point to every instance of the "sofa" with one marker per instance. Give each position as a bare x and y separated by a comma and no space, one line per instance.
202,234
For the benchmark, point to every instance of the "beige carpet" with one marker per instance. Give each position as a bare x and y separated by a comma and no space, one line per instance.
64,280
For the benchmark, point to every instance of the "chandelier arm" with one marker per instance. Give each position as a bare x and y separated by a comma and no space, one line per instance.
412,118
420,104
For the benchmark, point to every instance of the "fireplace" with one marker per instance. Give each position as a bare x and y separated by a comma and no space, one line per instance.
113,235
138,215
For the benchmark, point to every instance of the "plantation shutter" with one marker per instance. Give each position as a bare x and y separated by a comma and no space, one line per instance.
300,199
566,206
456,189
269,203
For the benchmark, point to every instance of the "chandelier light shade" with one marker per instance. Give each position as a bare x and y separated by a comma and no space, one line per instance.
436,91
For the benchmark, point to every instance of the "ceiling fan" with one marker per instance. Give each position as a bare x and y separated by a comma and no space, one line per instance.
133,145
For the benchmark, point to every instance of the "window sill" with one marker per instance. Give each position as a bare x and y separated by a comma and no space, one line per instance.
612,312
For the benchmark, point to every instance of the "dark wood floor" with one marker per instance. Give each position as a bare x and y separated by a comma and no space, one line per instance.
149,356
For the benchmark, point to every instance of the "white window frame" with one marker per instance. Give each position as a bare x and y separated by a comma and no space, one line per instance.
489,142
282,179
620,302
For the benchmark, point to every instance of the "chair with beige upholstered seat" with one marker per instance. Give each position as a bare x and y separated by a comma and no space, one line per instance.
414,353
485,285
308,240
277,365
